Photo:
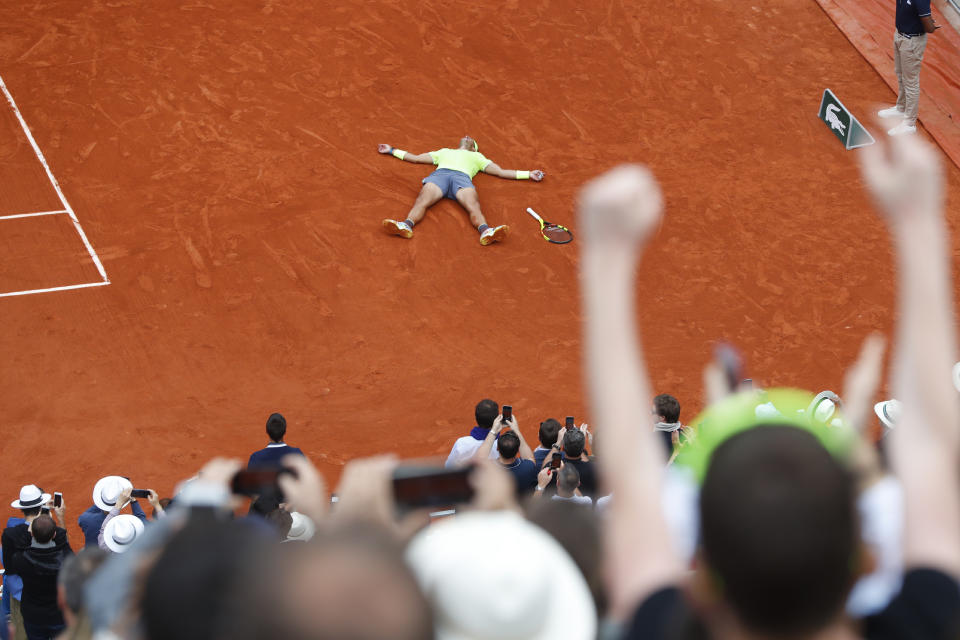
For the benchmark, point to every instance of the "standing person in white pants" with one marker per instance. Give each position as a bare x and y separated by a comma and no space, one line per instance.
914,22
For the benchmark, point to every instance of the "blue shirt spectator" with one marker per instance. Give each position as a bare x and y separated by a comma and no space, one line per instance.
91,521
548,435
12,584
524,474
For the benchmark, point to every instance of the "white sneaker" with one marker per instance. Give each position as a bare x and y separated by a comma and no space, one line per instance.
892,112
902,129
494,234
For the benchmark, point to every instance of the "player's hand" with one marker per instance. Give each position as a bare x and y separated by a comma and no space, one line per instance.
536,175
905,180
384,148
620,207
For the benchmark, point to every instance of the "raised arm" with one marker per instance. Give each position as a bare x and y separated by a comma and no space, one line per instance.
525,451
423,158
484,451
925,445
494,169
617,212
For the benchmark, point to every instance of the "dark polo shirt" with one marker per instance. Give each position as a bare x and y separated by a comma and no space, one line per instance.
909,13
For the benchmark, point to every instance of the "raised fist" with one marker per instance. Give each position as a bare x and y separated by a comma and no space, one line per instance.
384,148
623,205
905,182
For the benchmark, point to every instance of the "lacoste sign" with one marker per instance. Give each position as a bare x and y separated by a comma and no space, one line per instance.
842,123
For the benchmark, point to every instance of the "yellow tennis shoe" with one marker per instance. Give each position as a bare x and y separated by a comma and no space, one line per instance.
494,234
397,228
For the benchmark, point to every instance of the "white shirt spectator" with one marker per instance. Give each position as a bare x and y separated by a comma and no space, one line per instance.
574,499
464,449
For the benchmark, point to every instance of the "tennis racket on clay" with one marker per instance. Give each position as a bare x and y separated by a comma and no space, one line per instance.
555,233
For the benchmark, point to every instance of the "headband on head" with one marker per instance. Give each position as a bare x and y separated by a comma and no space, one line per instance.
476,147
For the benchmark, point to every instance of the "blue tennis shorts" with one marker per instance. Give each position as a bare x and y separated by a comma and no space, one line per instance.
450,181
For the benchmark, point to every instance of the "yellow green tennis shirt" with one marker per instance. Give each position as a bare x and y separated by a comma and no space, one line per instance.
469,162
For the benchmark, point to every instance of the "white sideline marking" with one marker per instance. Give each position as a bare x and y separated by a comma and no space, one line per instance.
70,286
32,215
63,200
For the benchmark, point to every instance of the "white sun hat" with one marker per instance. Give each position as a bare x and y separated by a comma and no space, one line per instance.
121,531
108,490
30,496
889,412
475,598
302,527
824,406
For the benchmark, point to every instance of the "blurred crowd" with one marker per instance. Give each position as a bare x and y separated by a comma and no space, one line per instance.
770,515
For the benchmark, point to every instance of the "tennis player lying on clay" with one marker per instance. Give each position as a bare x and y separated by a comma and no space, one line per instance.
454,179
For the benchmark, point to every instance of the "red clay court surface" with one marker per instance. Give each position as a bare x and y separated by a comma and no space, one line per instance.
221,158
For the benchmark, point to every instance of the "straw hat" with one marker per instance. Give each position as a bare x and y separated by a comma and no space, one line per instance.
302,527
107,491
889,412
121,531
474,598
30,496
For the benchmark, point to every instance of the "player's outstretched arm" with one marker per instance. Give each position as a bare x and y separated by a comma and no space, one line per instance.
494,169
907,187
422,158
618,211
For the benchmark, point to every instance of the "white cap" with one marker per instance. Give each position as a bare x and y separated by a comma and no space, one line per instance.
468,567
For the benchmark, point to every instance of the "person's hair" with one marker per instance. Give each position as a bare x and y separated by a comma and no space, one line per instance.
779,529
577,529
282,520
574,442
347,583
549,430
568,478
265,504
74,573
185,591
43,529
486,412
276,427
508,444
667,406
32,511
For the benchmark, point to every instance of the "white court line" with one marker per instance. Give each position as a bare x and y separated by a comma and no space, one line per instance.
33,215
63,200
69,286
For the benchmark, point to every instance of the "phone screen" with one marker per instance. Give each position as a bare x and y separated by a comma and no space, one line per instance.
140,493
569,423
431,486
507,412
555,461
57,499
